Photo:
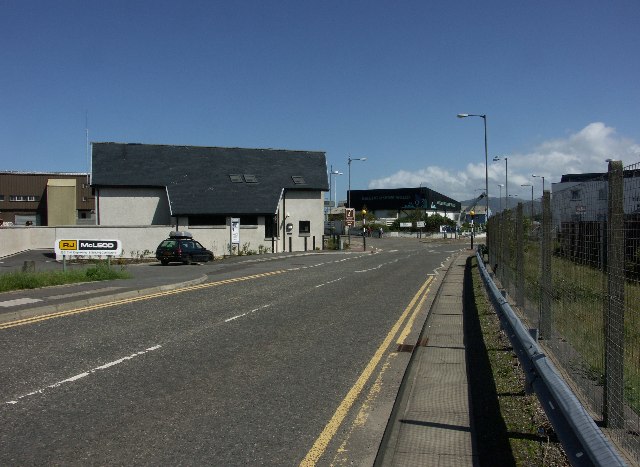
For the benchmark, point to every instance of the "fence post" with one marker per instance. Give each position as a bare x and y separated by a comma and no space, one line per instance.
613,403
520,257
507,271
490,238
545,273
499,233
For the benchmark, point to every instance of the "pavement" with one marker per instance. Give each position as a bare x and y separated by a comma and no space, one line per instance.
431,421
430,424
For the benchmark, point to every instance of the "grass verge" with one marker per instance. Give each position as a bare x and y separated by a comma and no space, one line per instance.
34,280
511,426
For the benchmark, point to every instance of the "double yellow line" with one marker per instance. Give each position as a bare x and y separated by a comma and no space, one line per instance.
321,443
125,301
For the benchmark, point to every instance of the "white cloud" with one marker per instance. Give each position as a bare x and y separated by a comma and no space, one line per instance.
581,152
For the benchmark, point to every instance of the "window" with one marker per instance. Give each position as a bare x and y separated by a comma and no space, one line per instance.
1,197
270,226
236,178
575,195
248,220
304,227
298,180
207,220
21,198
249,178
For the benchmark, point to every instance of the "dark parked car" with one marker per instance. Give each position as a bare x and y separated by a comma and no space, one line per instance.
181,247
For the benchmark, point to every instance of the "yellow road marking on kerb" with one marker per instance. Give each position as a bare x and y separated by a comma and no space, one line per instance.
124,301
407,328
320,445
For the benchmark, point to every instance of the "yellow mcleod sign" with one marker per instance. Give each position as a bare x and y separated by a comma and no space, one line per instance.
75,247
67,244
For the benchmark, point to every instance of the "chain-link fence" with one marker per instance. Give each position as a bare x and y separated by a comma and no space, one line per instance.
573,272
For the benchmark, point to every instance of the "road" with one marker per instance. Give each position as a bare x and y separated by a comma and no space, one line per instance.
269,362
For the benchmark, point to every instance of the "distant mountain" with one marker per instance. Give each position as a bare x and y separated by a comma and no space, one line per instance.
497,204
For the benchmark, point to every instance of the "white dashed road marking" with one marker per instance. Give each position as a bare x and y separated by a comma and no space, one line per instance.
19,301
85,374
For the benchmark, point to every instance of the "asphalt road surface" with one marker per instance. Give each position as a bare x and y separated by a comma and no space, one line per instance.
271,362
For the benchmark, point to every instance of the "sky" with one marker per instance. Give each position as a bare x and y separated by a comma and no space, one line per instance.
557,81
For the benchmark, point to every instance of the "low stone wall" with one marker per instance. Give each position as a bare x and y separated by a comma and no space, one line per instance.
141,241
20,238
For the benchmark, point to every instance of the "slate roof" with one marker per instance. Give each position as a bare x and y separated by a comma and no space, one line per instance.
210,180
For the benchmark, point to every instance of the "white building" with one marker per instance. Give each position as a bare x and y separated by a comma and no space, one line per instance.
276,194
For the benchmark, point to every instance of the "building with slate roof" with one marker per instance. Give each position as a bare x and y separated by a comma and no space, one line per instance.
276,194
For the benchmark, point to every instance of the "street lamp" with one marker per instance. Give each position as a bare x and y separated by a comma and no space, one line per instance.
514,197
486,156
542,177
349,160
531,185
500,185
333,172
506,177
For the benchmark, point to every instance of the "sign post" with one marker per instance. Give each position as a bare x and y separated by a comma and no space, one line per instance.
473,214
349,220
88,247
350,217
235,234
364,236
75,247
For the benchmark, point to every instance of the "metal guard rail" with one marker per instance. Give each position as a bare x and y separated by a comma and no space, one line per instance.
583,441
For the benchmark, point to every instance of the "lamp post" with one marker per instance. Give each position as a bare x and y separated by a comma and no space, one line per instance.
500,185
514,197
506,177
531,185
349,160
486,156
333,172
542,177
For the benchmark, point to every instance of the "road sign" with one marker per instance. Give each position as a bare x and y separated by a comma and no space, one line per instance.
420,224
235,231
350,216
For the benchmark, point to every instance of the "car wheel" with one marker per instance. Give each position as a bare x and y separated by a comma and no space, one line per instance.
187,260
164,262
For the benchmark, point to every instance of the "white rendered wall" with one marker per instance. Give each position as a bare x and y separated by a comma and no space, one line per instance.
301,206
143,239
133,206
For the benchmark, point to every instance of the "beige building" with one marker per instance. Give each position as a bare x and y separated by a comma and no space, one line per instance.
49,199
